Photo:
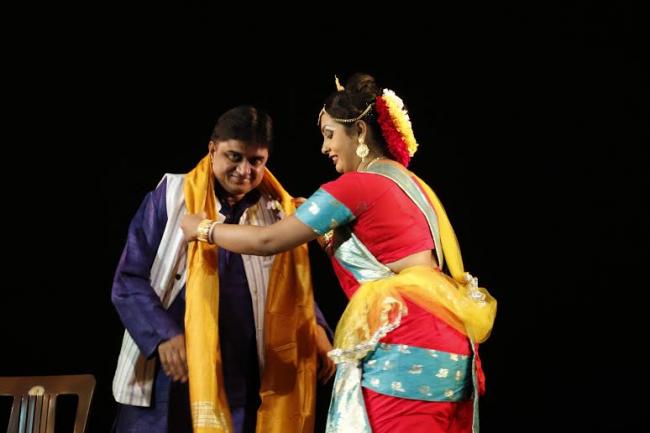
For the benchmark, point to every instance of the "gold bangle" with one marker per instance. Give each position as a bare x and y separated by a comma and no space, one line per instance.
202,230
210,241
325,241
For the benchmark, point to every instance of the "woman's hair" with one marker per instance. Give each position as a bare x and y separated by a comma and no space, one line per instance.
245,123
360,91
383,111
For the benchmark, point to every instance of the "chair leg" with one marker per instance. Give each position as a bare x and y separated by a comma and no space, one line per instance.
31,412
38,414
14,416
51,410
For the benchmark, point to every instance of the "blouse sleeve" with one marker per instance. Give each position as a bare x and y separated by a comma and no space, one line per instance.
323,212
335,203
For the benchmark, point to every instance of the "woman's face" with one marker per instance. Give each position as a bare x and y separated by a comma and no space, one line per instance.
339,145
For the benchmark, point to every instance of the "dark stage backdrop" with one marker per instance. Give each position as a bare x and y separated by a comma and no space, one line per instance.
532,127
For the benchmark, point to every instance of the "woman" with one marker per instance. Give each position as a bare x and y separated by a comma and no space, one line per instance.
405,346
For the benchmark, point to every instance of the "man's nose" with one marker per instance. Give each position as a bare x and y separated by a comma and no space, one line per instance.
244,168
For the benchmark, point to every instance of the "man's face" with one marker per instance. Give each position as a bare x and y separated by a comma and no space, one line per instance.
237,166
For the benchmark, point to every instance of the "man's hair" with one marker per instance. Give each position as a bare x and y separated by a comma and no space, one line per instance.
245,123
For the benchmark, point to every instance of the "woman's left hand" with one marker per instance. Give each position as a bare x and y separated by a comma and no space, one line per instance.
326,367
190,224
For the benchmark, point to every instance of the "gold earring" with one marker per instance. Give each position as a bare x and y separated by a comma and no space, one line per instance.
362,150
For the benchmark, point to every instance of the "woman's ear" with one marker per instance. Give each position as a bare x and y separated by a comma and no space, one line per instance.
362,130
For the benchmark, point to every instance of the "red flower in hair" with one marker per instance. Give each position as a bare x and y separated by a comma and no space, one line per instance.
396,144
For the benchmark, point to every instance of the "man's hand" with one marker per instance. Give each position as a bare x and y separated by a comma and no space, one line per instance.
173,358
298,201
326,367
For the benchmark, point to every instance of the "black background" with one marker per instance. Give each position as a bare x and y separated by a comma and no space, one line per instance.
532,124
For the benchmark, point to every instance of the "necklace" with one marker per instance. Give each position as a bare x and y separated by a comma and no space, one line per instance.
372,162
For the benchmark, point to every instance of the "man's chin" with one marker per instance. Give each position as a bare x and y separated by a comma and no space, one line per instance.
239,188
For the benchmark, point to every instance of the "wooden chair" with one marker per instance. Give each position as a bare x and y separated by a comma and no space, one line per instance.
34,402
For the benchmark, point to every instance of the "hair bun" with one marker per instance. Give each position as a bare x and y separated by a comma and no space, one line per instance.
364,86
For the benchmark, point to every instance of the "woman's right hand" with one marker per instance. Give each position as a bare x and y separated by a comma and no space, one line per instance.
190,224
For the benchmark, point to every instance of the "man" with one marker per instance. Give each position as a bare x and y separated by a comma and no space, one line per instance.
234,326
